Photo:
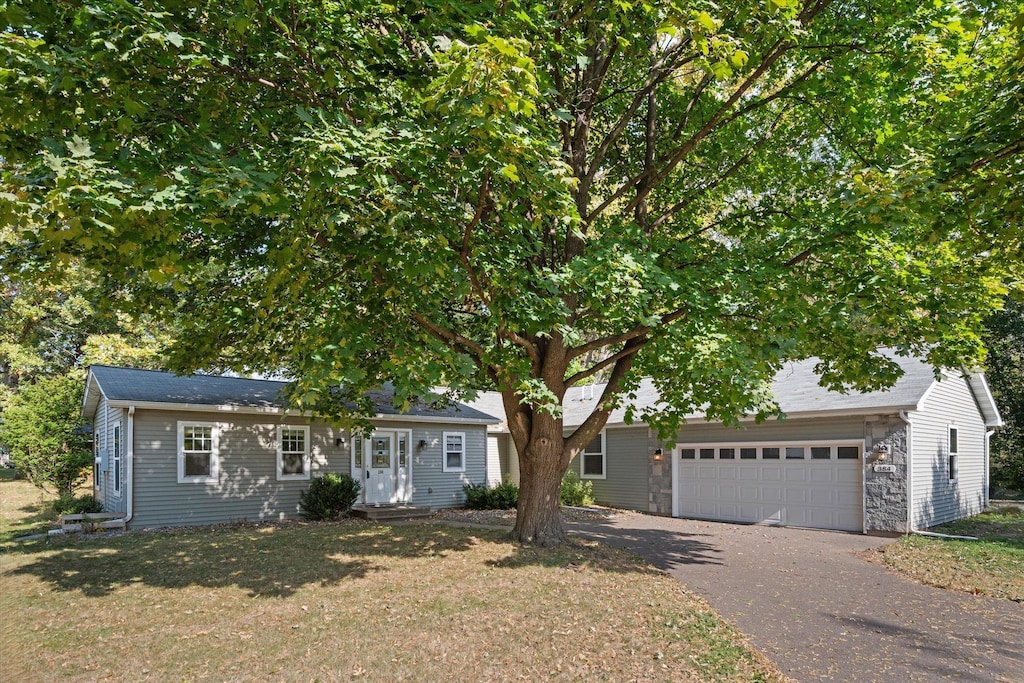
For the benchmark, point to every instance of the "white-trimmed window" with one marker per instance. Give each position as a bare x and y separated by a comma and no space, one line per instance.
292,452
115,456
592,459
454,457
953,452
198,452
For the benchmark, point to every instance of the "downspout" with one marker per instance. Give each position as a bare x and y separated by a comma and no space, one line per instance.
910,470
988,435
130,473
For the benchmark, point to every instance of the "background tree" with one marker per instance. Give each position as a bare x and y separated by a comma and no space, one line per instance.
487,195
1005,340
42,428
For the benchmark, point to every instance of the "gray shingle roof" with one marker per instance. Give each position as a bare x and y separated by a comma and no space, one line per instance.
795,388
152,386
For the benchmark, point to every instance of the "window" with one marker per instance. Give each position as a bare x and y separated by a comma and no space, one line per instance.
198,454
454,456
292,452
821,453
794,453
687,453
727,453
592,459
848,452
748,454
115,456
357,453
954,457
769,453
707,454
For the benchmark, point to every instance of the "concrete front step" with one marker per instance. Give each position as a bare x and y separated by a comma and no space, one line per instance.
388,513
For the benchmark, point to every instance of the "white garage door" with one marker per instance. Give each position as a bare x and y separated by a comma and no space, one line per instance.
808,484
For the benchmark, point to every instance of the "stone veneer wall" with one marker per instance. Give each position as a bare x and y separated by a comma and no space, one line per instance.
659,478
886,494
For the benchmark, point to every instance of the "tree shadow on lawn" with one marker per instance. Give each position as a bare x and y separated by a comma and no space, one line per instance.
271,561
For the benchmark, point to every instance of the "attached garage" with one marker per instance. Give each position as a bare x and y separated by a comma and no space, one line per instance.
792,483
907,457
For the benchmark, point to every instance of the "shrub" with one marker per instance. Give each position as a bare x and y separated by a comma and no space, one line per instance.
504,496
329,497
576,492
70,505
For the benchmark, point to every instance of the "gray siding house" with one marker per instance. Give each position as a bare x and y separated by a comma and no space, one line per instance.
906,458
182,450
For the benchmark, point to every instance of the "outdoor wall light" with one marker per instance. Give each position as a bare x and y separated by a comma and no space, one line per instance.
339,440
658,453
423,443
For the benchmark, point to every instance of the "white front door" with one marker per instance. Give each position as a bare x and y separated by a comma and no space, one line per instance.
380,470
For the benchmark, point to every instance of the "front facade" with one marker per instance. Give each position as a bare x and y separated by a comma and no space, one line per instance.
890,461
176,451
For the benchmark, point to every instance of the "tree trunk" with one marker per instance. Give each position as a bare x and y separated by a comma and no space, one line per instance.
538,515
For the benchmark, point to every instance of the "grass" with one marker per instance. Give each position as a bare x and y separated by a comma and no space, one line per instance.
24,509
352,600
992,565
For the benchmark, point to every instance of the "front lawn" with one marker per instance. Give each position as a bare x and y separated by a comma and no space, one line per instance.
993,565
352,600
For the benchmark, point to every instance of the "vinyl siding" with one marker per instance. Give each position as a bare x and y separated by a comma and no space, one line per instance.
817,429
248,489
626,463
103,431
935,499
431,486
497,453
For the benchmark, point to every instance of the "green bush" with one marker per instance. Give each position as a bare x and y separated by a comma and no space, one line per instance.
70,505
329,497
504,496
576,492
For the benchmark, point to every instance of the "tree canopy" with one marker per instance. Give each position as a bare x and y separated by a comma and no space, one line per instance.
526,197
1005,340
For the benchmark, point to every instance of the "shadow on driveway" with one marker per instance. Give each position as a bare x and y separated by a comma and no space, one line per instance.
808,601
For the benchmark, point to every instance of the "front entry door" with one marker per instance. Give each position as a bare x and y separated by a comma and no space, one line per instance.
380,470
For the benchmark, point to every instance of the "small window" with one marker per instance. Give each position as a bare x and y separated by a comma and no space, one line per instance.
727,453
848,452
707,454
821,453
403,450
954,456
198,454
794,453
687,453
357,452
115,456
454,456
770,453
292,452
748,454
592,459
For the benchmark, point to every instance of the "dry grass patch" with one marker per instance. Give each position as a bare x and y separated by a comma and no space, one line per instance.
993,565
24,509
353,600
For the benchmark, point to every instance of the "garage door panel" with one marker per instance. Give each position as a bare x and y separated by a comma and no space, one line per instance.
813,493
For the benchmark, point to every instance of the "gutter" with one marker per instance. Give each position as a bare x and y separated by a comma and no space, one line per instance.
130,474
988,436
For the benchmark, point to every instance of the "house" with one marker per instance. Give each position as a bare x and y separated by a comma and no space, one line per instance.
179,450
906,458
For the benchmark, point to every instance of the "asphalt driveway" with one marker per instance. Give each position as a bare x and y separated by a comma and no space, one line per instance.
819,611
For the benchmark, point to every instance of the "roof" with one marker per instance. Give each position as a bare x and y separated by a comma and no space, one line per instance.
212,392
796,389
